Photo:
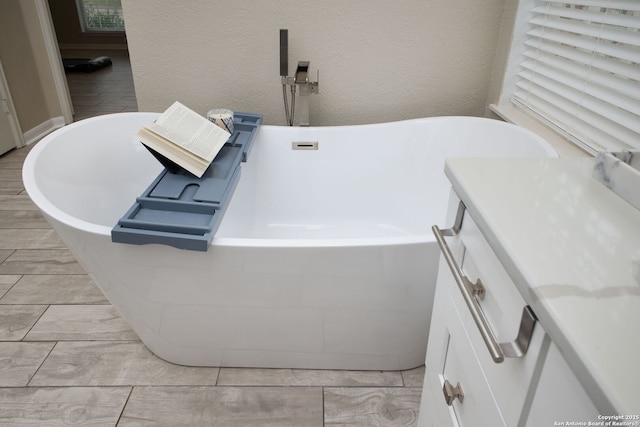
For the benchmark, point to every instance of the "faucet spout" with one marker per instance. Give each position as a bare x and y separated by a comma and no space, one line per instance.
302,73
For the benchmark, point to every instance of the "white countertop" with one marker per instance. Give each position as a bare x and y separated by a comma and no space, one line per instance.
572,247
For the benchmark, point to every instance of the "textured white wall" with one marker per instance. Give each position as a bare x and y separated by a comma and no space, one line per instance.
379,60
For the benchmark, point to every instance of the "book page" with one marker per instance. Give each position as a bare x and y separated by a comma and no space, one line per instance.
191,131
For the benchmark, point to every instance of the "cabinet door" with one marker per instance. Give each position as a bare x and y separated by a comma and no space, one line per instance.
559,396
450,357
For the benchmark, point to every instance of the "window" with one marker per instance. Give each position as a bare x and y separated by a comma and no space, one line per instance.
575,66
100,15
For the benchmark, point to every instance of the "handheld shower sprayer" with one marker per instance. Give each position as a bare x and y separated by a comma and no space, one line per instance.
284,73
284,53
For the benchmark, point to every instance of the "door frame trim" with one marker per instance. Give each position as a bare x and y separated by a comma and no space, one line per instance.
14,123
55,59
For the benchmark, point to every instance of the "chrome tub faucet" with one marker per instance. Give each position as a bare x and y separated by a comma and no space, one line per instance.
300,86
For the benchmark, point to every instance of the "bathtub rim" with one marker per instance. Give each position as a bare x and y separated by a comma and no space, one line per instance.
56,214
40,199
51,210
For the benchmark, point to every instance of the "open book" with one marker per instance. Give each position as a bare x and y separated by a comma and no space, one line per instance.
184,138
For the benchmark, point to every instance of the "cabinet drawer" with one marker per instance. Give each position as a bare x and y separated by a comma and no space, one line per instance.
502,303
502,306
450,357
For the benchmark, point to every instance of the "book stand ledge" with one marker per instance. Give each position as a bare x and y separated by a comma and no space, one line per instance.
183,211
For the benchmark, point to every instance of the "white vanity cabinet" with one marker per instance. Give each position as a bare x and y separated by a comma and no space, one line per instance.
544,238
464,385
492,393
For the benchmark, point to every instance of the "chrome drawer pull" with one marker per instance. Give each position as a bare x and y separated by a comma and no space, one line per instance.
520,345
498,351
476,289
457,223
452,393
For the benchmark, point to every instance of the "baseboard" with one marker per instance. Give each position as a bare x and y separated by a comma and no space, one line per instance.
43,129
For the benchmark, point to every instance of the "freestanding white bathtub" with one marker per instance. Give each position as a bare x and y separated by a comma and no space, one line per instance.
324,258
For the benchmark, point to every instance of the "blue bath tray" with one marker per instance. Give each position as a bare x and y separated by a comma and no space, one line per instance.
183,211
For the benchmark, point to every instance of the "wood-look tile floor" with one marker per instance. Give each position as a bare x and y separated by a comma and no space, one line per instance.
108,90
68,358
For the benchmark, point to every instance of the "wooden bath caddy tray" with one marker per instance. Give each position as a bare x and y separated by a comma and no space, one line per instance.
183,211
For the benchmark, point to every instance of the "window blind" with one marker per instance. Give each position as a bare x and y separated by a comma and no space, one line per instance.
580,71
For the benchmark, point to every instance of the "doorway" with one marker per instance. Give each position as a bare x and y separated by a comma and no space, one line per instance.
105,90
